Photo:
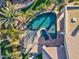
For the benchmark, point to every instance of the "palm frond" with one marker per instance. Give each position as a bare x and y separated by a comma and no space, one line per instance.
3,14
2,22
3,10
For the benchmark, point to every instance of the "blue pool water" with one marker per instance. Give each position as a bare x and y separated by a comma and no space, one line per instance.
46,20
44,34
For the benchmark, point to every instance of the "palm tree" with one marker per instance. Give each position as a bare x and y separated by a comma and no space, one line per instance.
7,14
8,17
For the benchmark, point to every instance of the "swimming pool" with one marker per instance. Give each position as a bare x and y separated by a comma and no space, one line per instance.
47,20
44,34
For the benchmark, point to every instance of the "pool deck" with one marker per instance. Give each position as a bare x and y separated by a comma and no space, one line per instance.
52,43
53,53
